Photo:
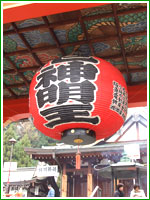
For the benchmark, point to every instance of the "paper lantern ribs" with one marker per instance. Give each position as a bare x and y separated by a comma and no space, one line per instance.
78,99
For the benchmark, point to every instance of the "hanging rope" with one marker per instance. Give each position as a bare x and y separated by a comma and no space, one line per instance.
78,159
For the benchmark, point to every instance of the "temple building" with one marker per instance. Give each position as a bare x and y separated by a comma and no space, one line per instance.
110,152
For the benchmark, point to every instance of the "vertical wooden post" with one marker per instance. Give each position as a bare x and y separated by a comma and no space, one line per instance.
64,182
116,183
89,182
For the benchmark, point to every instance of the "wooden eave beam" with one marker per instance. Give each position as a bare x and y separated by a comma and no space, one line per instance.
86,33
81,42
70,21
52,33
114,7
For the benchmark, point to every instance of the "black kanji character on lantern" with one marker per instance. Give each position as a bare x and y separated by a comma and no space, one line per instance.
82,92
75,70
75,58
115,83
120,112
119,99
124,92
115,95
116,89
46,76
114,101
119,105
68,113
47,95
123,115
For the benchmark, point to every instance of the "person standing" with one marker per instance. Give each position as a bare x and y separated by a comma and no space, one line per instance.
51,192
119,192
137,192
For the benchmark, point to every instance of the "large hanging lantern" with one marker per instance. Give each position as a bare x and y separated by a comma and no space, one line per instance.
78,99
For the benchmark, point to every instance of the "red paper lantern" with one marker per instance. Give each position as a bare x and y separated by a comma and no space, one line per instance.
78,97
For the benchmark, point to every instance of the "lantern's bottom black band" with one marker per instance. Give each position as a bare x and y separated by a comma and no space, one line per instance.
78,136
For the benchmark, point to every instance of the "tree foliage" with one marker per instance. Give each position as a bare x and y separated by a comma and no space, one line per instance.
26,135
8,134
23,160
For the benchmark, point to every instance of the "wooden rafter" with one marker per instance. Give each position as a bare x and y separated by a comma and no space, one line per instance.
17,85
52,33
81,42
114,7
25,69
15,68
120,12
70,21
10,91
27,44
86,33
130,54
78,19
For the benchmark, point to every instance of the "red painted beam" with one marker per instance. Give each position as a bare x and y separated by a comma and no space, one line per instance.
14,107
19,108
137,95
16,12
